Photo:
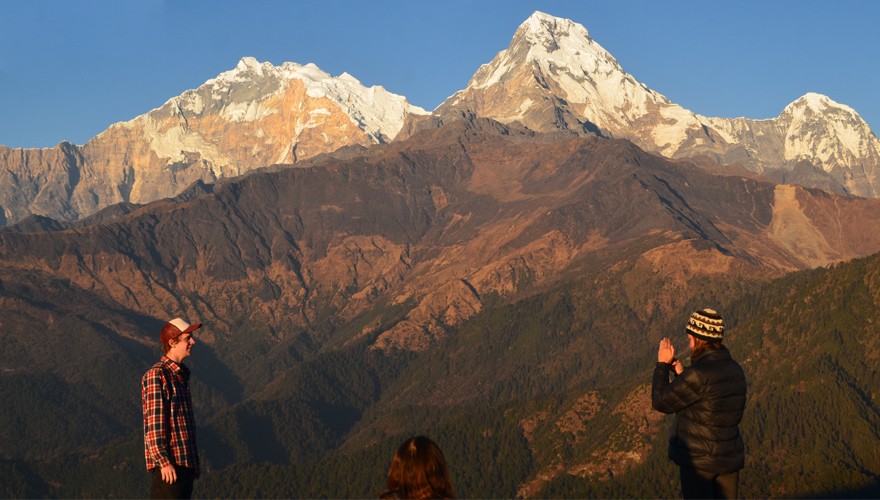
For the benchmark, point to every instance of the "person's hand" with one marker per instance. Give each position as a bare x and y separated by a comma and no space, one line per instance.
169,475
677,366
666,352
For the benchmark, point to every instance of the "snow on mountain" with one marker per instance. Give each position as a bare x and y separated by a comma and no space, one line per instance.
554,76
251,116
375,110
554,62
846,136
813,129
273,108
258,114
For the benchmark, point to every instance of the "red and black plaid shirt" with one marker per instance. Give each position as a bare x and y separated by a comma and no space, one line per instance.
169,424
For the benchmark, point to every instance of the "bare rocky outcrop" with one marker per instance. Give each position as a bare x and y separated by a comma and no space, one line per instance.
434,225
252,116
555,77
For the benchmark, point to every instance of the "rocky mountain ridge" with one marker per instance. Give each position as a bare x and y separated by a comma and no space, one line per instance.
511,283
440,221
499,286
554,76
252,116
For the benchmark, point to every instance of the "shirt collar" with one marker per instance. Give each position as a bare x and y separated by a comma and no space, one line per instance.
178,368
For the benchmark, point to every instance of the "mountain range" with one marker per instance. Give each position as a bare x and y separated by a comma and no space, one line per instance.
471,268
440,220
496,274
552,77
555,76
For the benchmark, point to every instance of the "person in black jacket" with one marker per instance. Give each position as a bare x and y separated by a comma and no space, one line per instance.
708,399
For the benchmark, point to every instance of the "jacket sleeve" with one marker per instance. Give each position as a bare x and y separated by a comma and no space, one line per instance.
155,405
672,397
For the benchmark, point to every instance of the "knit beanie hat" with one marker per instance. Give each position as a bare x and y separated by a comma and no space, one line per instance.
706,324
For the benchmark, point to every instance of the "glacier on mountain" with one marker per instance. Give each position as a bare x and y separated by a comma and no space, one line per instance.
554,75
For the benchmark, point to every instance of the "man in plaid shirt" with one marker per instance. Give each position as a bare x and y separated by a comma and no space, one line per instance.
169,424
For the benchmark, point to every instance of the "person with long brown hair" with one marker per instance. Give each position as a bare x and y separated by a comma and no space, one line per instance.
708,399
418,470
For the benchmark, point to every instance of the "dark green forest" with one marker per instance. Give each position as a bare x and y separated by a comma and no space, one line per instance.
547,392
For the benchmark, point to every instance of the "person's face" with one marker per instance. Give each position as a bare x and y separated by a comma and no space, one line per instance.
691,341
183,348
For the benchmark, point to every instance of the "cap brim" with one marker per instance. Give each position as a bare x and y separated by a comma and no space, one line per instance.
192,328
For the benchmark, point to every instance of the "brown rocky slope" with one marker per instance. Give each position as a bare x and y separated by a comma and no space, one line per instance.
253,115
398,246
439,221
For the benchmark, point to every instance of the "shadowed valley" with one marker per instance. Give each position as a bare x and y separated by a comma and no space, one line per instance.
498,289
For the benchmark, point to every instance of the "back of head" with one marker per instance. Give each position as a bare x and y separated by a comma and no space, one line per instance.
706,326
418,470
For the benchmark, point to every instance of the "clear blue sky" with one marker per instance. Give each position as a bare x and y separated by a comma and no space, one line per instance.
69,69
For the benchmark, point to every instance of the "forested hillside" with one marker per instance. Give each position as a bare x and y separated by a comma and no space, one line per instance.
545,397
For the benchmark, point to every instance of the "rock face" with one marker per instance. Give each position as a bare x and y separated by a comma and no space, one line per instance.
814,130
252,116
554,76
445,245
433,225
394,247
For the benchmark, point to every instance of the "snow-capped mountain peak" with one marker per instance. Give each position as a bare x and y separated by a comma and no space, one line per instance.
275,108
827,132
247,68
549,41
250,64
819,104
554,62
552,77
253,115
345,89
544,30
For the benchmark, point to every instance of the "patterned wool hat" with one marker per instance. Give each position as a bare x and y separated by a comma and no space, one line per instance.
706,324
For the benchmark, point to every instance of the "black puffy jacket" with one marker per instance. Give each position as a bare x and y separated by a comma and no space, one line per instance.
708,399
